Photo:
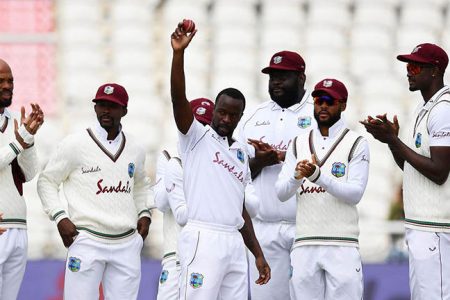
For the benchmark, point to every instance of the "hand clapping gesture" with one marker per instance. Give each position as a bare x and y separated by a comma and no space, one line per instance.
305,168
31,123
266,153
381,128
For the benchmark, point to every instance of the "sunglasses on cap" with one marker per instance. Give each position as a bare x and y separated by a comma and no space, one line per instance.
330,101
415,69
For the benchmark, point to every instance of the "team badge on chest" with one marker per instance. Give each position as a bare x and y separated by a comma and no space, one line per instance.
338,169
240,155
418,140
164,276
196,280
131,168
304,122
74,264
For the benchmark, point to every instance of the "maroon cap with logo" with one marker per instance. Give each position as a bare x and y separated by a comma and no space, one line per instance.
112,92
332,87
427,54
287,61
202,109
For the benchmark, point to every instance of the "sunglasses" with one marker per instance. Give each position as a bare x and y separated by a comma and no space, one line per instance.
325,99
415,69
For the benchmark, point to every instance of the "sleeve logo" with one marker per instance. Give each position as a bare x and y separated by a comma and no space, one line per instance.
418,140
131,168
338,169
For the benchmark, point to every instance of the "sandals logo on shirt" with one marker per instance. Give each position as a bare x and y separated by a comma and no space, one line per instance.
131,168
164,276
74,264
196,280
338,169
418,140
304,122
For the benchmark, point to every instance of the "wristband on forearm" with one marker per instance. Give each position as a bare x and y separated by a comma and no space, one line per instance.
315,175
27,137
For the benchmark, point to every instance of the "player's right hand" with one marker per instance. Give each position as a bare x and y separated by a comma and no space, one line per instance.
67,231
181,39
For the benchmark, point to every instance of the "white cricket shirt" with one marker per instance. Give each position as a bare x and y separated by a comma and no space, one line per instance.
215,176
276,126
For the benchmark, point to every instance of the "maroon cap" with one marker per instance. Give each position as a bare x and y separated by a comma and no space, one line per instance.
285,60
332,87
202,109
112,92
427,54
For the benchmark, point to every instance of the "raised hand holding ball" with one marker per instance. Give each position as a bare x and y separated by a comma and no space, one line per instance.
188,26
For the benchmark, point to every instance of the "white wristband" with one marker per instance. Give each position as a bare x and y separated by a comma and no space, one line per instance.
27,137
315,175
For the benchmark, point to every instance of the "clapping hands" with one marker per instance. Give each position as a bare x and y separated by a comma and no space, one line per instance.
305,168
31,123
381,128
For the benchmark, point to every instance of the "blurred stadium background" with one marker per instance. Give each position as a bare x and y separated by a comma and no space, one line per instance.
60,51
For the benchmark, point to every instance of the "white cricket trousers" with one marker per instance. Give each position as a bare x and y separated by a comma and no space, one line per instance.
116,266
213,263
168,280
13,259
429,264
326,273
276,241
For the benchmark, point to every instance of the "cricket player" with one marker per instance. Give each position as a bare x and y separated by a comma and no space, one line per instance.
211,245
102,172
169,199
327,168
18,164
424,158
267,131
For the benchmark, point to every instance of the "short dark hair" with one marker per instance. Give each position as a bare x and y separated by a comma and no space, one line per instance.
233,93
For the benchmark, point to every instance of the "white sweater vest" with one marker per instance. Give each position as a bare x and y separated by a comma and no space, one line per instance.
426,204
105,193
323,219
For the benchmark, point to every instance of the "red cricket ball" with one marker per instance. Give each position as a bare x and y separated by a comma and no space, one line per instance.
188,25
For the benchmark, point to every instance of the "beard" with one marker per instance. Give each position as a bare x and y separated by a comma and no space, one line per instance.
327,123
5,103
287,98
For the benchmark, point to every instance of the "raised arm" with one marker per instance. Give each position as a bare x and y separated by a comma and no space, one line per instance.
181,108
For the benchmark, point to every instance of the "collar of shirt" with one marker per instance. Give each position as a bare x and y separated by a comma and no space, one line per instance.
102,136
223,139
5,114
296,106
334,131
438,94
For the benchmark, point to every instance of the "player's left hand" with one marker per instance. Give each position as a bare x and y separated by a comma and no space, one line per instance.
143,225
263,269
